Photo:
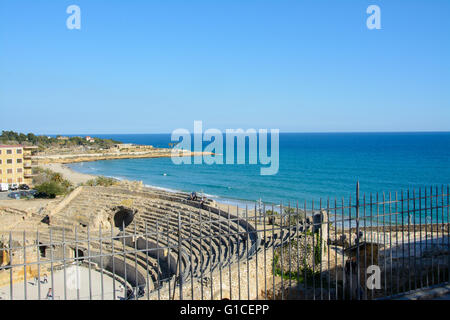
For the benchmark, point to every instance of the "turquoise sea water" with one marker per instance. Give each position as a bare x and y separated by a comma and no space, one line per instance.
312,166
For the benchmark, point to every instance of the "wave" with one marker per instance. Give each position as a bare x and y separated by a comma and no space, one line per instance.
162,188
222,200
241,203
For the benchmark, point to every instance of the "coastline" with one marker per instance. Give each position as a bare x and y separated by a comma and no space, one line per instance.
235,206
77,178
89,157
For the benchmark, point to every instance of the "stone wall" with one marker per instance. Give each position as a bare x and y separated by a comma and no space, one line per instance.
17,257
248,282
65,201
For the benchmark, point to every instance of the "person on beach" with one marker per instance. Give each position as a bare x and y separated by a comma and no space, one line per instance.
202,202
45,278
130,294
49,294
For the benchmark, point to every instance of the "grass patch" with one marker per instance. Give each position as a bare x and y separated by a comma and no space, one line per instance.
102,181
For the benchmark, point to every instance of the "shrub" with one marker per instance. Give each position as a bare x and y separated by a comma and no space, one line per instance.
102,181
51,188
56,177
46,176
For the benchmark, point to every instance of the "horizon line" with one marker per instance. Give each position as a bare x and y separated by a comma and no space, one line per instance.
281,132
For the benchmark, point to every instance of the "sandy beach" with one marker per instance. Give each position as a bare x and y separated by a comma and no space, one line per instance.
74,177
77,178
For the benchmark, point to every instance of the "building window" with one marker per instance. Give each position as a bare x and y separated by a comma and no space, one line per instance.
0,161
8,151
9,171
19,170
9,180
19,151
20,180
1,171
19,160
9,161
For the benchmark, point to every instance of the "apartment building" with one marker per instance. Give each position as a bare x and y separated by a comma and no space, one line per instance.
16,164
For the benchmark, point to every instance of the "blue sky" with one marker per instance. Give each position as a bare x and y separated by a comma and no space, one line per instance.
154,66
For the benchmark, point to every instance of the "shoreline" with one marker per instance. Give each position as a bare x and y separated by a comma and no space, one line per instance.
90,157
77,178
236,206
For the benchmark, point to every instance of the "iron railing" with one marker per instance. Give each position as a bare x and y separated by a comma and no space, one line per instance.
370,247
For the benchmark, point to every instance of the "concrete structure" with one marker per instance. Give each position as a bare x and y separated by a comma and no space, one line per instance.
433,293
124,146
16,164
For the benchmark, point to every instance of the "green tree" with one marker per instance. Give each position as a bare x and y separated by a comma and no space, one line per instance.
51,188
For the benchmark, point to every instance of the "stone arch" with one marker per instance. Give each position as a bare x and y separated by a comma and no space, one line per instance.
78,253
123,216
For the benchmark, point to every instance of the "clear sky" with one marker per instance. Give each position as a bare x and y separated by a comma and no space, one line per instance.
153,66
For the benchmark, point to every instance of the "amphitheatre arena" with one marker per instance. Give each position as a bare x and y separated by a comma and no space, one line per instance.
131,242
149,240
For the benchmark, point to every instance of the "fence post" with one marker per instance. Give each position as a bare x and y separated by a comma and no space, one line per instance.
11,273
357,242
180,275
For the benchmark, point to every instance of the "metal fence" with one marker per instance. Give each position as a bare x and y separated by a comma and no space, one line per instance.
370,247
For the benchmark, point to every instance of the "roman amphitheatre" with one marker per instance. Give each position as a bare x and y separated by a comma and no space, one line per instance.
130,241
143,254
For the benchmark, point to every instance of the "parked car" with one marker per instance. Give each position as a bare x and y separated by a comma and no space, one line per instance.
43,195
4,187
26,194
21,195
24,187
13,186
14,195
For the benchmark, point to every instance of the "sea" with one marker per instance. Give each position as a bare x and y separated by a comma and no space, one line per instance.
312,167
